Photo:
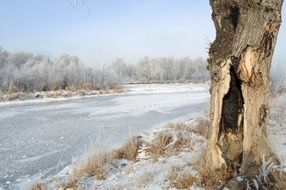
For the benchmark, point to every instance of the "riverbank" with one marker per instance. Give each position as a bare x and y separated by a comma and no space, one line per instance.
59,95
169,157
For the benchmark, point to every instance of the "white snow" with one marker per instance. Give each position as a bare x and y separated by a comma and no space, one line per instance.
147,172
154,173
131,105
166,88
277,126
127,89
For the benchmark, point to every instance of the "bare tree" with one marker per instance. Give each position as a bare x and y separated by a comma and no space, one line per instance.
239,64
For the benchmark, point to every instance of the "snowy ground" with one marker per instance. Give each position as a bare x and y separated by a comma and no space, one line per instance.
169,171
149,170
61,95
38,139
277,126
144,111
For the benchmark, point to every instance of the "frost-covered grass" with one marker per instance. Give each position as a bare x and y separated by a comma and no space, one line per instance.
172,157
97,162
163,158
57,94
44,96
277,126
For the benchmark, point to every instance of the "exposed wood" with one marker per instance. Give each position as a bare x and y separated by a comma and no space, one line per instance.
239,64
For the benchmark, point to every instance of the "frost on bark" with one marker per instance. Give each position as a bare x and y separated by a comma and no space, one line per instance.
239,64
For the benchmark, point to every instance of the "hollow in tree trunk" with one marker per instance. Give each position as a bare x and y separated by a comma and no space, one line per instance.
239,64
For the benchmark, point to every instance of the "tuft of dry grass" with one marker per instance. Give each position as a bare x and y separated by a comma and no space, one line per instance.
172,125
36,186
178,127
159,144
71,185
183,142
172,140
130,149
10,96
181,179
97,163
186,181
118,90
201,127
279,179
212,178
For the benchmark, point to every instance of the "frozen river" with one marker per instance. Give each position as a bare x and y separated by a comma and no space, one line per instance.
42,138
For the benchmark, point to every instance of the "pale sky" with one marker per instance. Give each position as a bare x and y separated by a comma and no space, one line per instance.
106,29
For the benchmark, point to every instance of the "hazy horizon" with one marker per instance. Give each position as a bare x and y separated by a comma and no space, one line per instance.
100,31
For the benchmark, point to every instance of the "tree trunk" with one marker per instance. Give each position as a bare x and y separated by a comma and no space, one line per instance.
239,64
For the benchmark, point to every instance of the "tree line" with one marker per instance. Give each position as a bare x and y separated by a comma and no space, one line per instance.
161,70
27,72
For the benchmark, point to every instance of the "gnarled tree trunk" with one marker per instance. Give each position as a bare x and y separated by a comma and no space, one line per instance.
239,64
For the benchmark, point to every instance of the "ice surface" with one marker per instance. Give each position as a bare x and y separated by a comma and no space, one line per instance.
38,139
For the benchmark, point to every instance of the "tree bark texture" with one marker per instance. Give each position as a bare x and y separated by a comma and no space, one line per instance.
239,64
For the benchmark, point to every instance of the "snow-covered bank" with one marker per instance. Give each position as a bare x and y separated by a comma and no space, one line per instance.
277,126
67,128
165,160
60,95
127,89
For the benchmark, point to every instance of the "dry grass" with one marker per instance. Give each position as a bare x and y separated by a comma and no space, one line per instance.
181,179
10,96
175,138
172,125
159,144
130,149
211,178
98,163
201,127
71,185
185,181
182,142
53,94
36,186
95,164
279,179
118,90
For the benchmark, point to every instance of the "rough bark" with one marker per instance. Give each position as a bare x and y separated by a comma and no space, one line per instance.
239,64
